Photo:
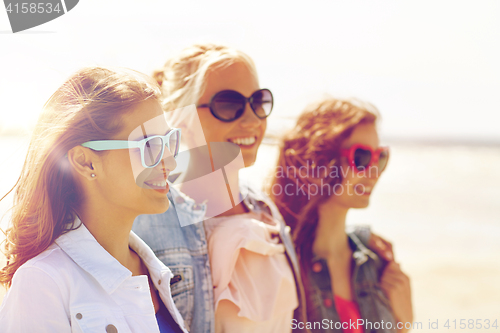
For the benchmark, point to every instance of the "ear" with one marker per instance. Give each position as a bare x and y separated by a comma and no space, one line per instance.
84,162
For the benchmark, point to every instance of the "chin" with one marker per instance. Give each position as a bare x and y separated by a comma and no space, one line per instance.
362,204
249,159
249,164
165,207
159,208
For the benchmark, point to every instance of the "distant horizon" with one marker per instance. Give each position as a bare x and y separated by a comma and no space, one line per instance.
271,139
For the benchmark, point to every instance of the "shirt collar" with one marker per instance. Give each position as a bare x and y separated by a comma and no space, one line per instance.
360,251
81,246
157,270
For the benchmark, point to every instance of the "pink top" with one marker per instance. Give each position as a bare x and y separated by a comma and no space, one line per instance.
254,287
348,312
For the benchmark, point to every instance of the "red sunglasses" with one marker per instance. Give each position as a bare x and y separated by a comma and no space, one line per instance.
362,157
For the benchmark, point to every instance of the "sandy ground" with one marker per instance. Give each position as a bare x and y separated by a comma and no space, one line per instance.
438,204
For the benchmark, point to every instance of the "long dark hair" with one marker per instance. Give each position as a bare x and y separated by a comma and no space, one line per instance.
88,106
306,153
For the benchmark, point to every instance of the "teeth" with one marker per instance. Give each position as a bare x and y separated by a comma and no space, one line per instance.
244,141
158,184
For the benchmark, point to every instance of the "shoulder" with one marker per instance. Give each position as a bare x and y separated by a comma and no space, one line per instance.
360,237
360,232
259,201
48,263
48,270
38,288
241,226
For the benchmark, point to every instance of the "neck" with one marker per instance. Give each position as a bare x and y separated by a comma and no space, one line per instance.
110,226
331,241
220,190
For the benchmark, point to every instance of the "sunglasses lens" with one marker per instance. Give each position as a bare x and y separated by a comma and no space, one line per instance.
174,143
153,151
262,103
382,160
228,105
362,158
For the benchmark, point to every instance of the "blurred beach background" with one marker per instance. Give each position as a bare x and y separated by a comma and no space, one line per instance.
438,204
431,68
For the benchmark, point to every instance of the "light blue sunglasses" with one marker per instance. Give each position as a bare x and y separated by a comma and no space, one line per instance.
152,148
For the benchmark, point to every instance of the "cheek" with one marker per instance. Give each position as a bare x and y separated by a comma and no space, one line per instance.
213,128
348,174
264,125
349,185
119,171
352,179
136,169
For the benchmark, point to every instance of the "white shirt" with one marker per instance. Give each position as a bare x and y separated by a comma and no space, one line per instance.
77,286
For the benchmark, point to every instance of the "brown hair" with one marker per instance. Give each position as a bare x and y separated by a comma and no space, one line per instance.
314,144
88,106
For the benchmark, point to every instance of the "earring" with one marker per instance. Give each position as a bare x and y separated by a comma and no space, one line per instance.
92,175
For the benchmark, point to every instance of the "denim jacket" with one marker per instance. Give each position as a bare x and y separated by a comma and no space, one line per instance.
372,302
182,246
184,251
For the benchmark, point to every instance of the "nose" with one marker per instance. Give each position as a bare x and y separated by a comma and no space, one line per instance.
373,172
168,162
249,119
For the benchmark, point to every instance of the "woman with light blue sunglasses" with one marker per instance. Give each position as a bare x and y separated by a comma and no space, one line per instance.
99,156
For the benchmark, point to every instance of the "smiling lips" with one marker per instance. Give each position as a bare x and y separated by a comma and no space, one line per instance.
159,184
244,141
368,190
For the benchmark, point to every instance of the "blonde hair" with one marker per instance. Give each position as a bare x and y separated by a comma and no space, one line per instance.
183,77
88,106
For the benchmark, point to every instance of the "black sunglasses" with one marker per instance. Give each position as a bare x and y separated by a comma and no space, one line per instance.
229,105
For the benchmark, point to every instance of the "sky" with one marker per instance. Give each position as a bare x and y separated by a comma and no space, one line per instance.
430,67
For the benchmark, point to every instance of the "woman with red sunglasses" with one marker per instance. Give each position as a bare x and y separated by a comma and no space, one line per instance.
335,146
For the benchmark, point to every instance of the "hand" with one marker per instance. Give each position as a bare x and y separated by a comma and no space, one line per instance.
396,286
381,247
